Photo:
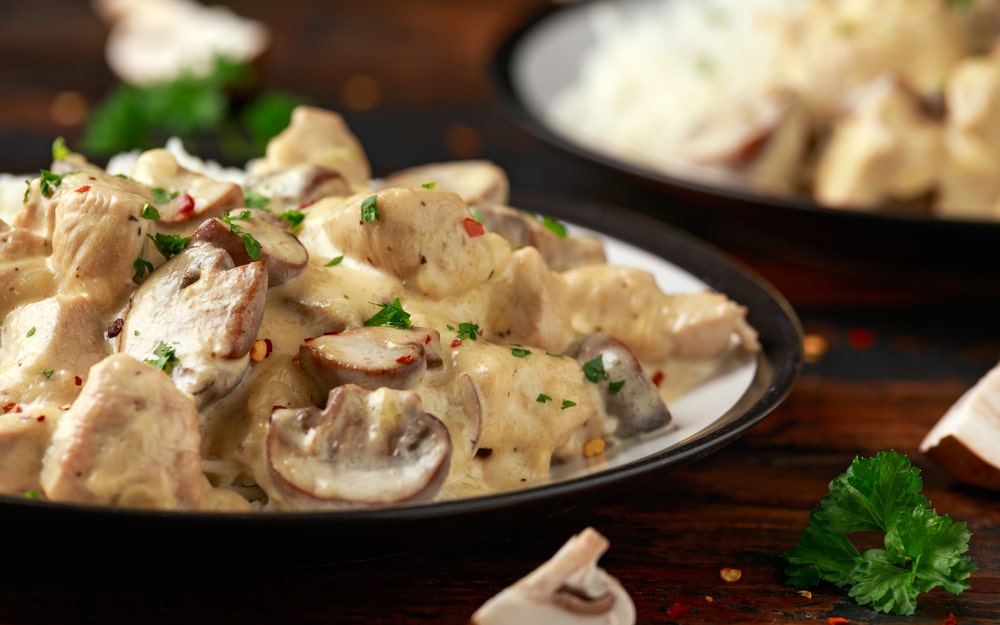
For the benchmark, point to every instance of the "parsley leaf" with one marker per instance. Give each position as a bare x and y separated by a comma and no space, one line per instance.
59,149
48,373
567,403
334,261
142,267
162,196
149,212
594,370
31,332
293,217
250,242
165,358
554,226
542,398
369,209
615,387
391,315
255,199
429,185
922,549
169,245
49,180
520,352
467,330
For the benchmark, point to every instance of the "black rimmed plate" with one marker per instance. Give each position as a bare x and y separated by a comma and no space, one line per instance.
940,256
707,419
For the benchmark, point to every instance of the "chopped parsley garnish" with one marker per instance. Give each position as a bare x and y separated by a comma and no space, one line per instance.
48,373
31,332
335,261
553,355
922,549
429,185
594,370
554,226
31,494
390,315
162,196
165,358
49,180
250,242
566,403
149,212
59,149
142,267
542,398
369,209
615,387
520,352
293,217
255,199
476,214
467,330
169,245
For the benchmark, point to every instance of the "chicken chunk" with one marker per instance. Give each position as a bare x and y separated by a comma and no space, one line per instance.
131,439
187,196
476,182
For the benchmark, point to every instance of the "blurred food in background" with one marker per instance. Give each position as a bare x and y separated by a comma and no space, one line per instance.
869,106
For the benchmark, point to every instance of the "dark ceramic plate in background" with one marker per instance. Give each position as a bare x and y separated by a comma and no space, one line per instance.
707,418
544,56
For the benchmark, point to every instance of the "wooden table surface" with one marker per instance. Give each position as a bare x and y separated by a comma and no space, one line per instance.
900,350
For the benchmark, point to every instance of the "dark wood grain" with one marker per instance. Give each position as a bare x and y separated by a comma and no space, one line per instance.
670,533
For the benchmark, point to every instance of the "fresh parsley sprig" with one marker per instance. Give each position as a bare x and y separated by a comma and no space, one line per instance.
391,315
923,550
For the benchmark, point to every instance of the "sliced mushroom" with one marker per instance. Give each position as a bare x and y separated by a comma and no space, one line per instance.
559,250
476,182
204,309
364,448
190,196
568,589
280,250
317,137
629,395
131,439
371,357
297,186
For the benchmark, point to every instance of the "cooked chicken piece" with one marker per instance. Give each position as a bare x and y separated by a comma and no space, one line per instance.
280,250
130,439
364,448
317,137
886,148
189,196
568,589
969,184
476,182
48,348
199,314
298,186
629,395
758,141
24,273
627,303
559,249
425,237
371,357
830,50
24,436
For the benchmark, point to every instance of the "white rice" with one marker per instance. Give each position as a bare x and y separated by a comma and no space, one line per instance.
661,66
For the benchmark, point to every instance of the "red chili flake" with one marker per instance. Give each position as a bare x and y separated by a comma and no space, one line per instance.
427,340
116,327
950,620
40,418
474,228
277,407
836,620
77,380
83,189
185,205
309,339
678,610
860,339
331,333
405,360
295,358
11,406
658,378
307,203
456,342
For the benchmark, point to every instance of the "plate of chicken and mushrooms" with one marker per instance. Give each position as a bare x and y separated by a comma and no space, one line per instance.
771,111
216,354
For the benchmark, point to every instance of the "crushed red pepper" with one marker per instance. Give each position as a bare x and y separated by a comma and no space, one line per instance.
83,189
474,228
405,360
658,378
456,342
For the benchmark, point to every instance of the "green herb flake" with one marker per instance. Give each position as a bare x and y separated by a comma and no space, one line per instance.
149,212
164,358
553,355
476,214
48,181
162,196
255,199
142,267
922,549
169,245
293,217
27,191
567,403
390,315
31,332
250,242
335,261
467,330
31,494
59,149
615,387
554,226
520,352
542,398
429,185
594,370
48,373
369,209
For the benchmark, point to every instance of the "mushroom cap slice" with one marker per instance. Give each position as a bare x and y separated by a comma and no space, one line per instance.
371,357
628,393
364,448
568,589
